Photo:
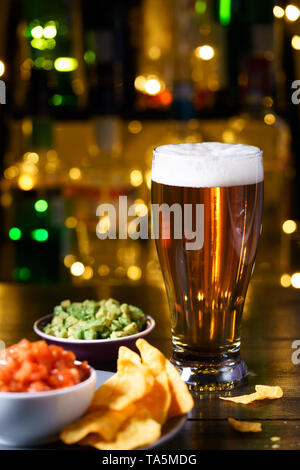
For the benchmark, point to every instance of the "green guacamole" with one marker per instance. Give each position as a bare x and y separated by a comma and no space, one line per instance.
104,319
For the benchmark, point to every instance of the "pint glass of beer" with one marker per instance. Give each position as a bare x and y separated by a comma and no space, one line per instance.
206,217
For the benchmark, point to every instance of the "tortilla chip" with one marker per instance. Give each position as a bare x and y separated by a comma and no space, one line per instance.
262,392
151,356
105,423
126,355
266,391
140,430
243,399
158,400
245,426
181,399
129,384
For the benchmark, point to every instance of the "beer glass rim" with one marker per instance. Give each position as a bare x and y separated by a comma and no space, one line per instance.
256,154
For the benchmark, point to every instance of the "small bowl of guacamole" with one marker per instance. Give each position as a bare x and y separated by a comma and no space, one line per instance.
94,329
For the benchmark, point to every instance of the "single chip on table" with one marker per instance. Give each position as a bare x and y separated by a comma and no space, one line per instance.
140,430
244,426
268,391
262,392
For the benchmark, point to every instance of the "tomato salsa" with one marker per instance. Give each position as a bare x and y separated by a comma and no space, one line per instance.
38,367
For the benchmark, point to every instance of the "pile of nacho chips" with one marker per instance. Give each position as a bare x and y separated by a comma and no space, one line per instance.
128,411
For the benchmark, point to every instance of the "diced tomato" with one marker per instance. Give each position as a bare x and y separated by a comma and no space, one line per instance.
37,367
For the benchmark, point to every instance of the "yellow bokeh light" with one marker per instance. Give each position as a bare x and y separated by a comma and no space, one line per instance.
136,178
289,226
228,136
37,32
65,64
26,182
31,157
278,12
295,280
134,273
71,222
88,273
152,86
269,119
285,280
134,127
77,269
69,260
75,173
103,270
2,68
11,172
205,52
296,42
50,31
292,12
139,83
154,52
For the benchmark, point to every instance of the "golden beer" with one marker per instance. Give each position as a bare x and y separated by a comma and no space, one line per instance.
207,286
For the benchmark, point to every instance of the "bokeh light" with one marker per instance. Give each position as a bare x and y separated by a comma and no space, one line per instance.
296,42
292,12
136,178
41,205
26,182
71,222
269,119
40,234
77,269
205,52
278,12
134,273
285,280
69,260
65,64
289,226
75,173
295,280
88,273
15,233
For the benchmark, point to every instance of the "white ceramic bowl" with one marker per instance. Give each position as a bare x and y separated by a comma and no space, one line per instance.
35,418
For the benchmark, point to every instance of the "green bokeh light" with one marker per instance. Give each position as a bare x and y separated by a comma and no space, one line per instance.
22,274
225,12
41,205
89,57
40,234
200,7
15,233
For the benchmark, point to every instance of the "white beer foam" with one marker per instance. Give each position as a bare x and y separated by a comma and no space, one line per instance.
207,164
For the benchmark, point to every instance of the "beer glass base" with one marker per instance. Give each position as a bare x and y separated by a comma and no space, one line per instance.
222,373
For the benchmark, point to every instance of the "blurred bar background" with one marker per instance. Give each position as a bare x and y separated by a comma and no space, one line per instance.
92,87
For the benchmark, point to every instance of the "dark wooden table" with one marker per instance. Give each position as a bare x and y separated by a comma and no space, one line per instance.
271,322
